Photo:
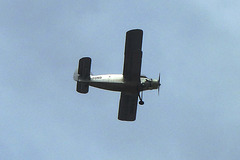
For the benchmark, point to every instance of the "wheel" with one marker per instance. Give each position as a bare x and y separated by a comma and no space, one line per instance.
141,102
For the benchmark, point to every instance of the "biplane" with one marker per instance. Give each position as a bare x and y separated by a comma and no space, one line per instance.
131,83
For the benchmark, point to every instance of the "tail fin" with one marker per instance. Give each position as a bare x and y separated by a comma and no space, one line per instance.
84,68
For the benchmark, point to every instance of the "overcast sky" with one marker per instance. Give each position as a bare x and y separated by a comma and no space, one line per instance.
195,45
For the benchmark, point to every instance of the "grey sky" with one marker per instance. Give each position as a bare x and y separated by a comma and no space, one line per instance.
194,44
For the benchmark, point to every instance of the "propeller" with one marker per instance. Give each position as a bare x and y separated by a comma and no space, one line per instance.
159,84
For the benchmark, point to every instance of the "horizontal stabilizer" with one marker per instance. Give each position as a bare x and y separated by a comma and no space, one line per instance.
84,68
82,87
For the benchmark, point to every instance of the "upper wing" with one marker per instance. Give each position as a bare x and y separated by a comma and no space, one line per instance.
133,55
127,106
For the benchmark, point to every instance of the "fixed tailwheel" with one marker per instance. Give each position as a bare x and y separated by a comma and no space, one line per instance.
141,102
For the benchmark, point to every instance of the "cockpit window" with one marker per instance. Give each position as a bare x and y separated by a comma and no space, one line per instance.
142,76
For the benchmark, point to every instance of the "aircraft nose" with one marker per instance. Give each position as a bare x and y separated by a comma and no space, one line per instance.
156,84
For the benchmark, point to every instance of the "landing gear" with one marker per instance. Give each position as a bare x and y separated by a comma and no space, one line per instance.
141,102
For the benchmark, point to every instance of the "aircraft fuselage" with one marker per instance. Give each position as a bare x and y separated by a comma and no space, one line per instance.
115,82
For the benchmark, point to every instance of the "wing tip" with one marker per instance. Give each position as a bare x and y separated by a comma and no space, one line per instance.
126,119
135,31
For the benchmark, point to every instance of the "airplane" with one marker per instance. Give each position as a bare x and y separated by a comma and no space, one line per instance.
130,83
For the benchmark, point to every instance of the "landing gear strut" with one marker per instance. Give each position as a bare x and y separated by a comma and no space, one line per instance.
141,102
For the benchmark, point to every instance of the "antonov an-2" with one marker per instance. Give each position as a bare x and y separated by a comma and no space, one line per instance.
130,83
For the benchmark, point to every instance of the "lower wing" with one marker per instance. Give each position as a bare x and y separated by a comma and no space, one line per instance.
128,106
